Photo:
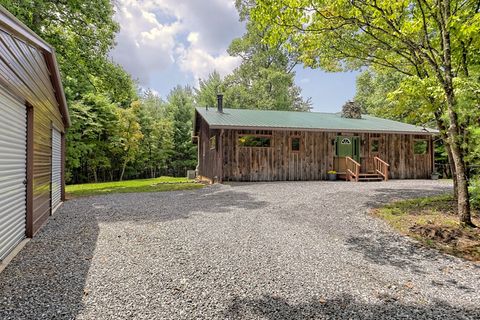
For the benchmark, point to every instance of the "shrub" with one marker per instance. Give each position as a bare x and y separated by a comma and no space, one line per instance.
475,193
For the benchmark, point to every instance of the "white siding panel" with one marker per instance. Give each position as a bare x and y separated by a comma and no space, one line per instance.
56,167
13,164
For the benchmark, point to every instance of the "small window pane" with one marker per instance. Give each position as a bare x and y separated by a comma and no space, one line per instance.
295,144
420,147
254,141
213,142
375,145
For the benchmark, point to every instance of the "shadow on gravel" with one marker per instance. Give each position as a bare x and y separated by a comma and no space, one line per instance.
162,206
390,249
47,278
343,307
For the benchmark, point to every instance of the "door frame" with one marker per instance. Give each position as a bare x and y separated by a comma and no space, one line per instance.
30,175
62,169
339,160
356,145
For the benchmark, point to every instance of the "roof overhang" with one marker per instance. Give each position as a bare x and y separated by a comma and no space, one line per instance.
429,133
21,31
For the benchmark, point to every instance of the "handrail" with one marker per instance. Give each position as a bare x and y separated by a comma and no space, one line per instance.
353,169
381,167
378,159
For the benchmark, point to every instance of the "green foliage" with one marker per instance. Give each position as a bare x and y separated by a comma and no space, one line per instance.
90,136
208,89
128,136
475,193
157,143
264,79
181,108
82,33
254,141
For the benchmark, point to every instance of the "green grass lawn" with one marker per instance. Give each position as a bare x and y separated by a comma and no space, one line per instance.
143,185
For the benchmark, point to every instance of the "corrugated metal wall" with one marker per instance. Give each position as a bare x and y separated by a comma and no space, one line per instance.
56,167
23,68
13,165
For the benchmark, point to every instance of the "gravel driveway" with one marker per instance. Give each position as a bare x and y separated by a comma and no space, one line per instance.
305,250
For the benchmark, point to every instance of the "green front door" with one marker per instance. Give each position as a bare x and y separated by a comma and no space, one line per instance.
348,146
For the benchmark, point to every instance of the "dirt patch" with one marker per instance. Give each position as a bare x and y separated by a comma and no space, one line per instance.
437,233
456,241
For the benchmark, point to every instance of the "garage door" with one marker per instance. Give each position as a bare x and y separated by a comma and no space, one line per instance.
56,167
13,161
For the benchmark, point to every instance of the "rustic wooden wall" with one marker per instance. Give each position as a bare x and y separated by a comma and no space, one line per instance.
23,69
209,160
316,156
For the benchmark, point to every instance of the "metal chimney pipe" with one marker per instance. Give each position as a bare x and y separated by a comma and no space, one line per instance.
220,103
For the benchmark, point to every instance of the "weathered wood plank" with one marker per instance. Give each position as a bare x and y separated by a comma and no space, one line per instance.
315,157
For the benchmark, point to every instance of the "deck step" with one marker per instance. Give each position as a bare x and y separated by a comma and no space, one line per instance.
367,177
370,179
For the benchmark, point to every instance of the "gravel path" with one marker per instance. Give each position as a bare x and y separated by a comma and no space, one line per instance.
304,250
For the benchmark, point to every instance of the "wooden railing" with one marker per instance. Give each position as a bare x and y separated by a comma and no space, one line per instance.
381,167
353,169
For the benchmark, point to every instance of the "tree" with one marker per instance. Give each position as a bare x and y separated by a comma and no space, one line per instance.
265,78
82,33
208,89
89,138
393,95
428,40
157,128
129,134
180,106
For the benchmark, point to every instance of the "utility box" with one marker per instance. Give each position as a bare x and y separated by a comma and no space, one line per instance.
191,174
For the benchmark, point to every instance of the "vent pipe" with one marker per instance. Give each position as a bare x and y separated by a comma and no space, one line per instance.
220,103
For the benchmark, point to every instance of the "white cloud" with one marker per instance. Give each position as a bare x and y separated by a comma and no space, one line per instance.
200,63
191,35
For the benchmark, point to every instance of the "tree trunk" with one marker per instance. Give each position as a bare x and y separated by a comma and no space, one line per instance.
452,169
454,141
95,177
463,199
123,170
442,127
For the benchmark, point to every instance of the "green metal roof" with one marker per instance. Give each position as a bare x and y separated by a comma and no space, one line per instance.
267,119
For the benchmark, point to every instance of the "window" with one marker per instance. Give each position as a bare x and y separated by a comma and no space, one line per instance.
295,144
213,142
420,147
254,141
375,145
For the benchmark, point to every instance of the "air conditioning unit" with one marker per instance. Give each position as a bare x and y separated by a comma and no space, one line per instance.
191,174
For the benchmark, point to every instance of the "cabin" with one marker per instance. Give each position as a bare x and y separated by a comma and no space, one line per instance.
34,117
261,145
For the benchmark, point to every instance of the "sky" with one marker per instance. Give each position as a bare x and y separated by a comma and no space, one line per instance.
164,43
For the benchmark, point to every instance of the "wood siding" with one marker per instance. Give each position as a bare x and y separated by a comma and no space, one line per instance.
210,161
315,157
24,70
